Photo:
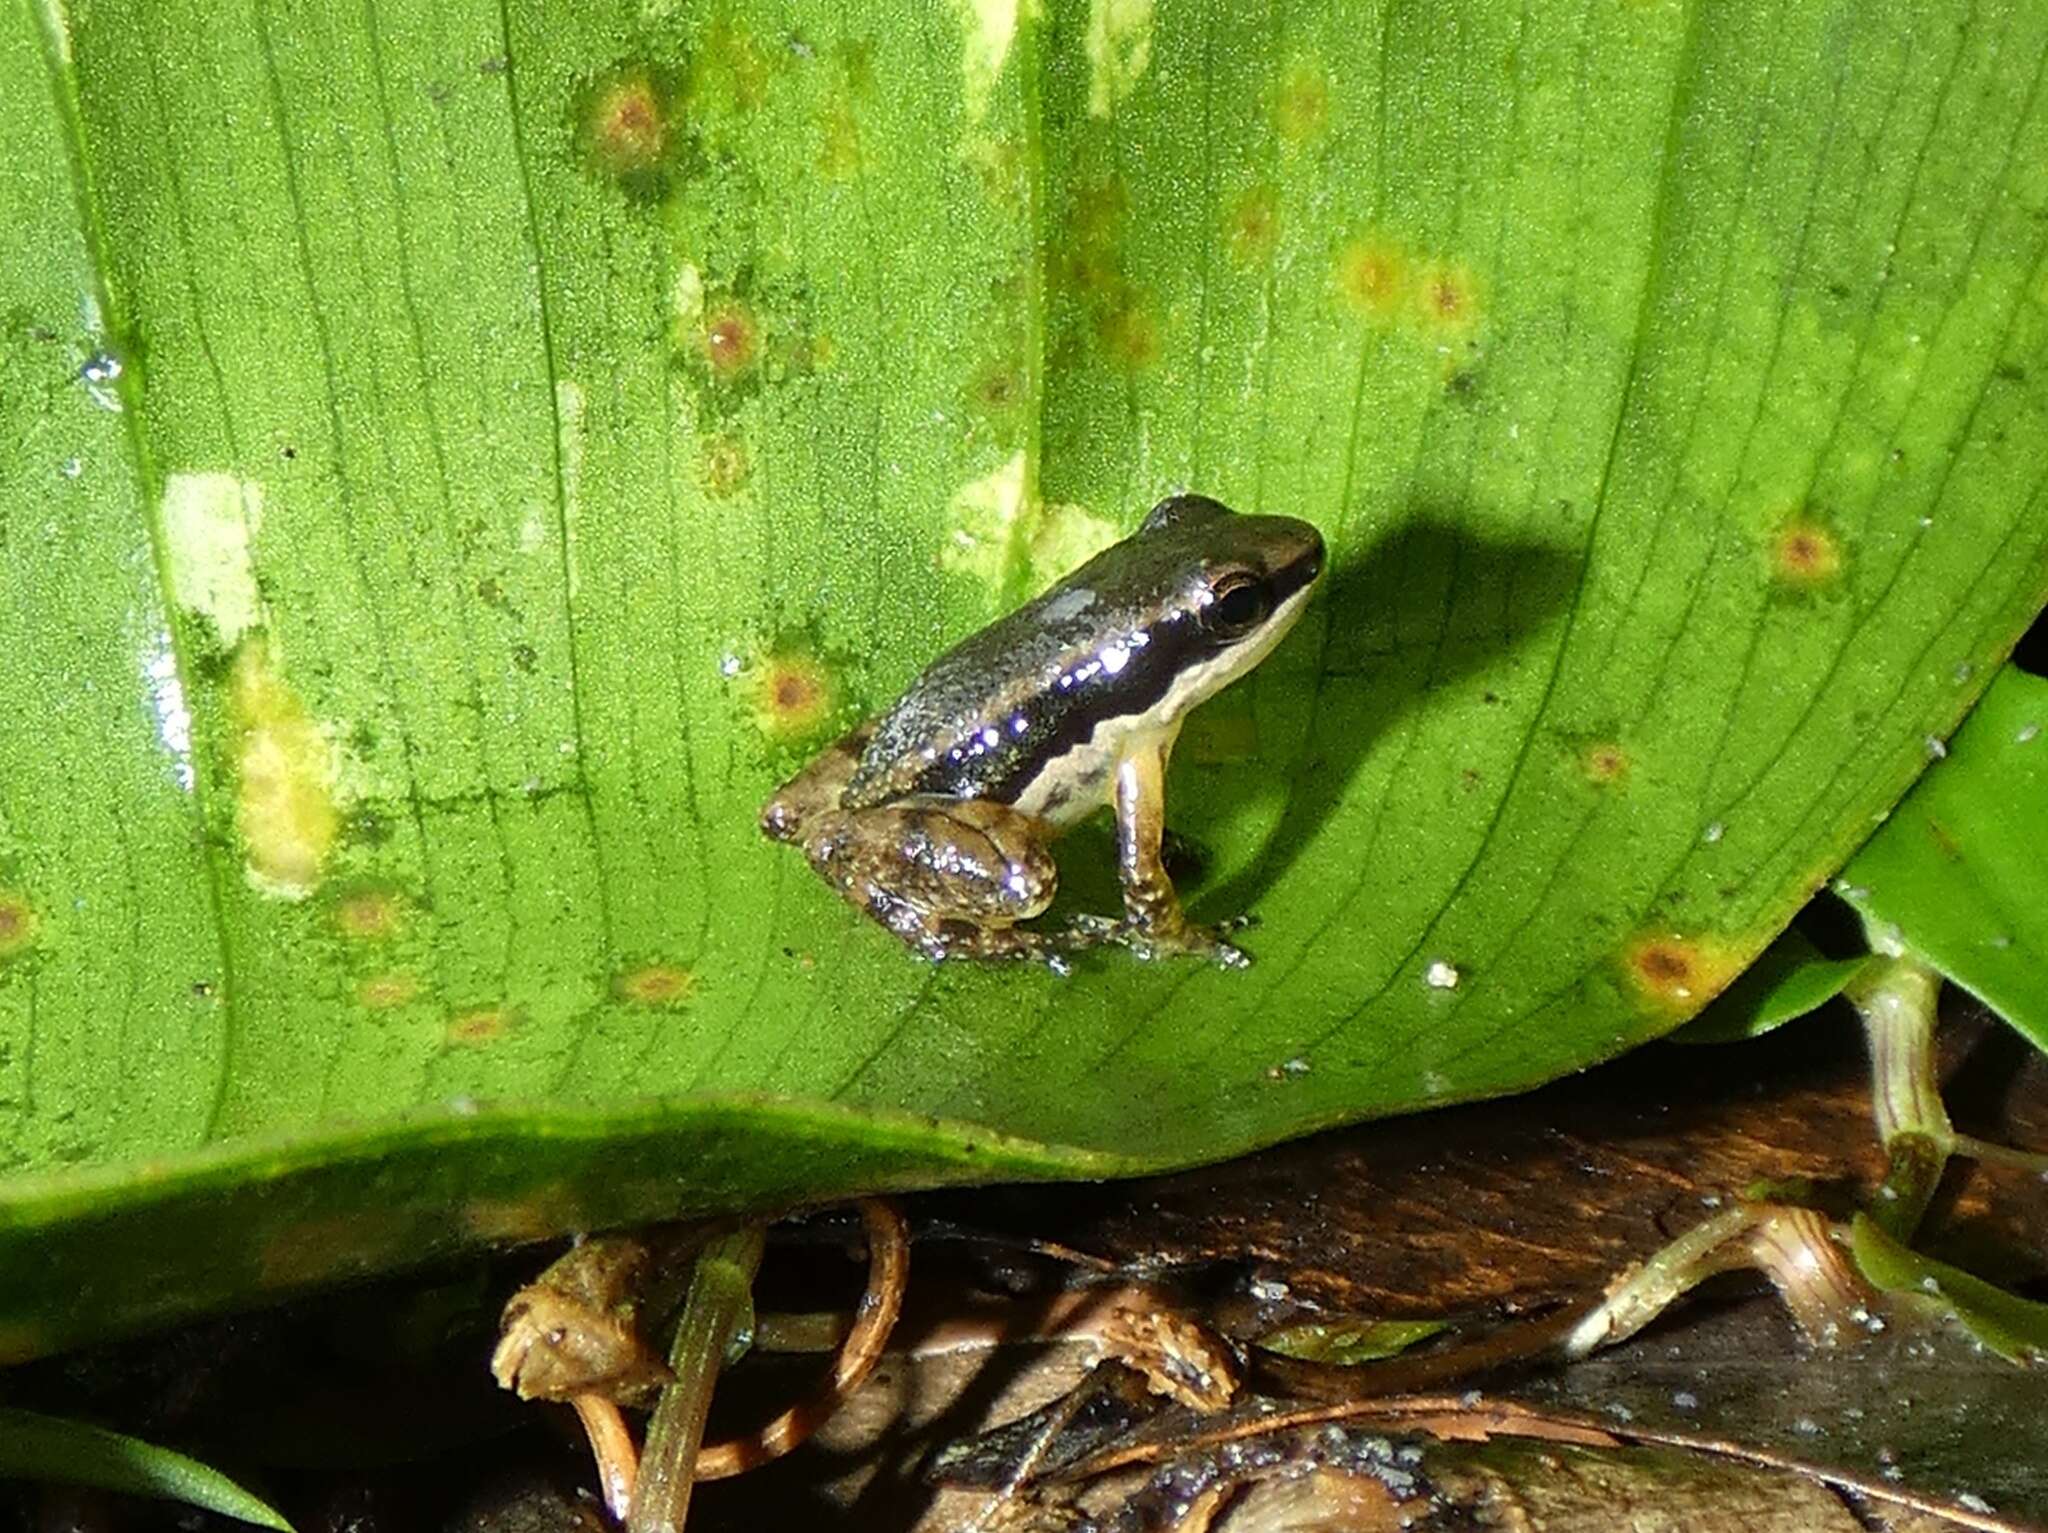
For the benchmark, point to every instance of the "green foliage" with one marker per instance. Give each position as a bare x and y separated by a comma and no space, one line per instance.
2015,1328
1958,870
34,1447
540,425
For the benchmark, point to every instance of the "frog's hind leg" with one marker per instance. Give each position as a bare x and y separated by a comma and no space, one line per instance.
950,877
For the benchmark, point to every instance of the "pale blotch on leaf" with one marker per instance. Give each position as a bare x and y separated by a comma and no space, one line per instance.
1125,326
387,991
284,778
1000,528
1804,553
1677,973
1119,46
480,1025
790,694
657,986
369,914
724,466
1301,105
1252,225
1605,764
210,522
989,27
18,924
839,154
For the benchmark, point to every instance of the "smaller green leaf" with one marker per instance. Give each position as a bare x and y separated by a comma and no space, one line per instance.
1349,1342
37,1447
1790,978
2015,1328
1958,869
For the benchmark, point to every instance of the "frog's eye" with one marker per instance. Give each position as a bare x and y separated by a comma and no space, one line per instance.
1238,604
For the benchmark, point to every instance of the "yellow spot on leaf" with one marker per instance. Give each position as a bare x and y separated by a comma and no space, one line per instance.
369,915
790,694
387,991
724,466
210,523
1604,763
1119,45
1447,297
1804,553
1679,973
284,772
1252,225
656,985
1128,332
1374,276
1301,106
18,923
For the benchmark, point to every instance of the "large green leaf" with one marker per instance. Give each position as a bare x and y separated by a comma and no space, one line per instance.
545,423
1958,870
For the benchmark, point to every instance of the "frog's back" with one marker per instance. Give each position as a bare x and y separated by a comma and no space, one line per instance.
977,718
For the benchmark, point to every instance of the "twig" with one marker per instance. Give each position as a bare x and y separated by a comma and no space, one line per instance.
721,1288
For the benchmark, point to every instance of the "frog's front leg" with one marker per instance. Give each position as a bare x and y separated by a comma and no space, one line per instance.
950,877
1154,924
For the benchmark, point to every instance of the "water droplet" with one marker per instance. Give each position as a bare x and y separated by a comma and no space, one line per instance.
2028,732
1713,832
1936,748
99,373
72,468
729,666
1685,1400
1964,671
1441,976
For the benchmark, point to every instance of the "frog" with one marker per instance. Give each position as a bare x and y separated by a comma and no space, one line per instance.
936,816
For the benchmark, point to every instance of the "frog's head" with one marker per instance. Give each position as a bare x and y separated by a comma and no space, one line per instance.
1232,586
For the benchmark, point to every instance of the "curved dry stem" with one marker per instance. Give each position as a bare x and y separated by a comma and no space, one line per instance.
888,1275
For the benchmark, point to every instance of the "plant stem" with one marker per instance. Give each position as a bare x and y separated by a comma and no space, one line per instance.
721,1288
1896,996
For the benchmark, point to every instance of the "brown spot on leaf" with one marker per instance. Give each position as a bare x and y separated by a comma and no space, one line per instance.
1804,553
656,985
732,339
1252,226
480,1025
1447,295
1128,332
1604,762
626,126
725,466
369,914
384,992
1679,973
18,923
790,694
1373,275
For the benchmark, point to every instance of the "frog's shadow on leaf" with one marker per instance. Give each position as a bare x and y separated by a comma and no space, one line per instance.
1416,618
